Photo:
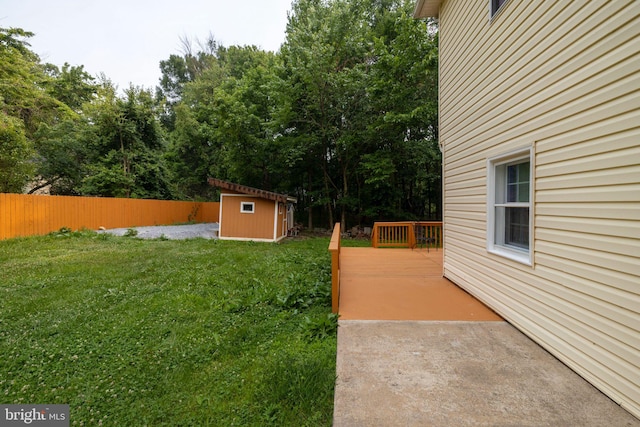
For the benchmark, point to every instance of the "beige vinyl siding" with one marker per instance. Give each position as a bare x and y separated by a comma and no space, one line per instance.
563,78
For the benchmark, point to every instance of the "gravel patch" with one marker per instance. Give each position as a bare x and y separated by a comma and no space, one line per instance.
173,232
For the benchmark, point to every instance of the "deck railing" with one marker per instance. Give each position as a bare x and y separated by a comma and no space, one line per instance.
334,248
407,234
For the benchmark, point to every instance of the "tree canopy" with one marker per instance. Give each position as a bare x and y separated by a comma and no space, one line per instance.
344,117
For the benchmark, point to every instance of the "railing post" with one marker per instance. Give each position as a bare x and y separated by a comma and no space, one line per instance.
411,231
374,235
334,248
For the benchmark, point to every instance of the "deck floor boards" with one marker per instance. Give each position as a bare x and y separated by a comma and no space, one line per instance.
402,284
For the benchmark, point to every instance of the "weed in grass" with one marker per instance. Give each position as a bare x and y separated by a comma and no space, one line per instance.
301,292
67,232
131,232
63,231
321,327
103,236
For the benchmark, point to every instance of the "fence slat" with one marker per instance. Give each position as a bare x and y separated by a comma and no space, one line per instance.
24,215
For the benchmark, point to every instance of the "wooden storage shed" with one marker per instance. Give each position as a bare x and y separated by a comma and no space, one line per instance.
539,114
248,213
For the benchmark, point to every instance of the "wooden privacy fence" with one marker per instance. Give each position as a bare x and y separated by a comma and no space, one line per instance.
407,234
26,215
334,248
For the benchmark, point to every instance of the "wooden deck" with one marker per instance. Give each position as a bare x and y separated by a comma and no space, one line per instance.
402,284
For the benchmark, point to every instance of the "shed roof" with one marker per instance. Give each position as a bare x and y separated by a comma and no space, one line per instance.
427,9
225,185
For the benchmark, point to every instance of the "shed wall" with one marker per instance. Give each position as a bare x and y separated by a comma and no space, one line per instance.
564,78
237,225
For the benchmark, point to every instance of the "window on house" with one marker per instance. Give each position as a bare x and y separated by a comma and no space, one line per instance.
509,228
496,5
247,207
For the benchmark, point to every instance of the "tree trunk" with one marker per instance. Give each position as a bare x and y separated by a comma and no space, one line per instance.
125,165
42,185
309,204
345,194
327,192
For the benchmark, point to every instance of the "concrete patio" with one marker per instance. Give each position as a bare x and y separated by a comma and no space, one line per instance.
416,350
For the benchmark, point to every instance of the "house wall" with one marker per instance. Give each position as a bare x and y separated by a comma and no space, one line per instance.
246,226
562,77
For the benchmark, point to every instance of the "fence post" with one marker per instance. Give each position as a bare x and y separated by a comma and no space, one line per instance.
334,248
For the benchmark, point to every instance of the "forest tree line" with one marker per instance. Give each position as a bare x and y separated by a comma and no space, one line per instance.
343,117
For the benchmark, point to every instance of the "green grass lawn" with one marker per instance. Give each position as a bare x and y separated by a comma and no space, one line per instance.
133,332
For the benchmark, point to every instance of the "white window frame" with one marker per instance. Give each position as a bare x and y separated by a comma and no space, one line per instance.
247,204
496,224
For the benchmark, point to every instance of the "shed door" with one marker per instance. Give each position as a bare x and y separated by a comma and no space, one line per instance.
289,223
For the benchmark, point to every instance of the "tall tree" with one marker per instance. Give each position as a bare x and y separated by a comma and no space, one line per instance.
403,127
244,113
197,58
310,58
15,153
62,144
62,156
127,153
194,150
71,85
344,116
361,95
23,83
223,124
25,106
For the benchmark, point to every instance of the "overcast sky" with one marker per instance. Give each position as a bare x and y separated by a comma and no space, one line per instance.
127,39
